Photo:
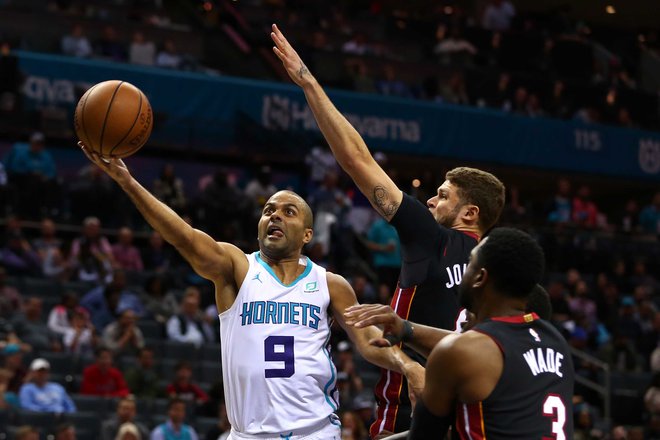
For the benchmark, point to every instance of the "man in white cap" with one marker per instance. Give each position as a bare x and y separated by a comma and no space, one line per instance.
40,395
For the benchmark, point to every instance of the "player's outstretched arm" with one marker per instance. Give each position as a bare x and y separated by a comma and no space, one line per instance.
342,297
346,143
210,259
420,338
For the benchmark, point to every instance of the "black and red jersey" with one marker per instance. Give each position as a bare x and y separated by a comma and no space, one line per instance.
533,398
434,259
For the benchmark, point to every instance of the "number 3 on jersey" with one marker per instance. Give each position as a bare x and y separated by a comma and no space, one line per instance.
554,407
279,349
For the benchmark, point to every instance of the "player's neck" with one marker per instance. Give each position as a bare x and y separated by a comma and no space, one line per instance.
469,229
287,269
500,306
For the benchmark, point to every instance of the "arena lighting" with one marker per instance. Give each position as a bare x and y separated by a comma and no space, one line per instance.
416,183
610,9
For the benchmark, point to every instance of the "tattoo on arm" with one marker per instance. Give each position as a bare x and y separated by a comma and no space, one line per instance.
383,202
303,70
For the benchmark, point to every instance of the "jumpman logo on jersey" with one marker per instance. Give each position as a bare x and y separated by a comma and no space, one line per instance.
256,277
286,436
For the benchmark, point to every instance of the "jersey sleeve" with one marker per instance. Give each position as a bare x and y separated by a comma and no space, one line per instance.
418,231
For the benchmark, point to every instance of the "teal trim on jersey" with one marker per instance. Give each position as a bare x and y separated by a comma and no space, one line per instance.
265,265
332,371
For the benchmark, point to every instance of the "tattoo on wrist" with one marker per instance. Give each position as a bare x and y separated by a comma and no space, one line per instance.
383,201
303,70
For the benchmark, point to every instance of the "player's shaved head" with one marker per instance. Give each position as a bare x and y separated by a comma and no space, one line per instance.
308,216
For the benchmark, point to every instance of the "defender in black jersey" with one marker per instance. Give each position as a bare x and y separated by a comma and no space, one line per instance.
509,377
435,239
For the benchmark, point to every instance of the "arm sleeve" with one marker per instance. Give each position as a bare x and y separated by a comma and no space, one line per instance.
122,388
417,229
26,398
174,329
156,434
427,426
69,406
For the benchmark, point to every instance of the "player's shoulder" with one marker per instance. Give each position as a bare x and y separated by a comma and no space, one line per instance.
336,282
466,348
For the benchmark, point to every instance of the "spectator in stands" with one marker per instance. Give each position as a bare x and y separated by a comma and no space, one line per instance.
498,15
158,300
141,51
10,297
157,256
126,254
124,337
183,388
391,85
26,432
559,104
560,206
76,44
222,199
174,427
109,46
103,302
89,193
91,253
102,379
649,218
584,210
143,379
47,240
357,45
80,338
364,406
169,56
126,412
346,365
364,290
59,318
386,251
65,431
222,429
582,303
18,257
188,326
13,362
128,431
652,396
361,78
352,427
454,90
260,188
168,188
561,311
453,49
31,329
8,399
628,221
623,119
40,395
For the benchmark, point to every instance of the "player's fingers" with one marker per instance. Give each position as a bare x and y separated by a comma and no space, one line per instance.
373,320
279,53
358,308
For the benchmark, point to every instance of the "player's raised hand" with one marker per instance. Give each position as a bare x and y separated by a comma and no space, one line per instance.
364,315
290,59
115,168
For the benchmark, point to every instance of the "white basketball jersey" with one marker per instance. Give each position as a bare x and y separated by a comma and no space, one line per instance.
278,375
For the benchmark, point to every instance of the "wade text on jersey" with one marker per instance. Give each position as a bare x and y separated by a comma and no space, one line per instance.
544,360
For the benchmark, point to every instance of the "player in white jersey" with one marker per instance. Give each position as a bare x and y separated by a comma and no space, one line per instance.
274,312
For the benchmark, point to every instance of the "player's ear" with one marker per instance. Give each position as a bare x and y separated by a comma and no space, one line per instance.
307,237
470,214
481,278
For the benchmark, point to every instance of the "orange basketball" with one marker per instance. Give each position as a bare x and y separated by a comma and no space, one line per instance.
113,118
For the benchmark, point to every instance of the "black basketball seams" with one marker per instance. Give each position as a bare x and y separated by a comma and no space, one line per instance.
137,116
107,113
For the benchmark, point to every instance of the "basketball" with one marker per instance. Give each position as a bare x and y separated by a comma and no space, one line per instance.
113,119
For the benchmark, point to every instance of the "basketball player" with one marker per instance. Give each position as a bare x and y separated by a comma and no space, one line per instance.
511,375
436,240
274,309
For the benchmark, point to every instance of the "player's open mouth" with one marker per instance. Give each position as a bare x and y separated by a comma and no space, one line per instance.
274,232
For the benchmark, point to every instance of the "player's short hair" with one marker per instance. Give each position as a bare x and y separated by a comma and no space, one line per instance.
538,301
480,188
513,259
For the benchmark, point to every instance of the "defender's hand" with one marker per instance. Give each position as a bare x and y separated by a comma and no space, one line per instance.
364,315
115,168
291,61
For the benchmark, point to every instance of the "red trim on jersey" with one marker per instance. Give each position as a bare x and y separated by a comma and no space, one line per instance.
470,421
472,234
444,253
519,319
388,389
